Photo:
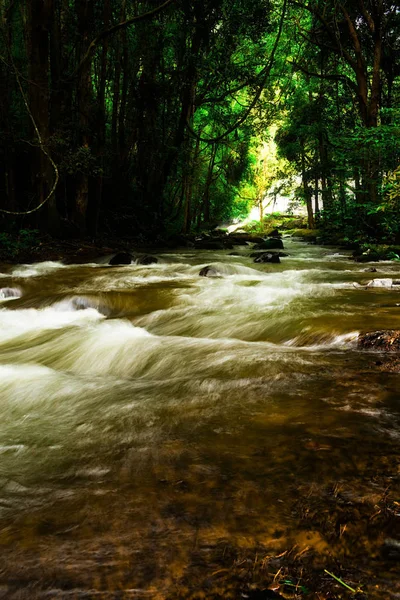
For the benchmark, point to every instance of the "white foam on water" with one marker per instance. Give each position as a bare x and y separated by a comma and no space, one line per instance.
16,322
37,269
327,341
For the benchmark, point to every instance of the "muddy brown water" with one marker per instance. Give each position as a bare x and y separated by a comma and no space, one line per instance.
165,435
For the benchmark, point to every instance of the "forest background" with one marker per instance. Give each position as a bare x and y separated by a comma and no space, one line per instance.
125,117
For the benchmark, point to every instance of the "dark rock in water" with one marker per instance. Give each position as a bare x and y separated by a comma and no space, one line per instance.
388,340
367,256
83,302
179,241
209,272
239,239
122,258
269,244
234,254
274,233
391,549
370,270
147,260
8,292
259,252
209,245
268,257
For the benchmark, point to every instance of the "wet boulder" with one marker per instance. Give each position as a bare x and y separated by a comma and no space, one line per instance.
209,244
369,255
240,239
209,272
179,241
9,292
274,233
269,244
370,270
147,259
383,283
387,339
122,258
237,241
268,257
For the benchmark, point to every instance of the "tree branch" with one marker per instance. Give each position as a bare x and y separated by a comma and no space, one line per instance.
41,146
339,48
367,16
325,76
265,72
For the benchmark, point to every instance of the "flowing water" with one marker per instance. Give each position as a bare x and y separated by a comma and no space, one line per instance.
165,435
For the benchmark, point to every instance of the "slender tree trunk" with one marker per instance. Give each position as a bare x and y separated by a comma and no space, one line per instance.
307,190
100,128
119,49
84,11
316,197
191,161
206,195
39,22
327,198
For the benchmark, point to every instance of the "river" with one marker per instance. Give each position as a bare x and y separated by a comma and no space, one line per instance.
165,435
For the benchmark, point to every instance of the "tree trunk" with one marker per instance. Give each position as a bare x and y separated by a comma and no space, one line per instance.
84,11
307,190
39,20
206,195
100,128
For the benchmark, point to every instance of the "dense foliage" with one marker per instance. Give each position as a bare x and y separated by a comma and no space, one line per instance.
158,116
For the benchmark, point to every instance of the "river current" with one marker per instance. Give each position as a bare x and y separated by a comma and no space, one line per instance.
165,435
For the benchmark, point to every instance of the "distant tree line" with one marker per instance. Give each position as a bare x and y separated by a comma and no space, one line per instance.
144,115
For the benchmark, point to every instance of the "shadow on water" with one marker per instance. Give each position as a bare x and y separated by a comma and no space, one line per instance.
167,436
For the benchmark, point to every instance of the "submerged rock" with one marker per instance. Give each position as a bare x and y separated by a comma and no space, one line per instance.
370,270
122,258
209,272
268,257
388,339
269,244
258,594
391,549
9,292
85,302
147,260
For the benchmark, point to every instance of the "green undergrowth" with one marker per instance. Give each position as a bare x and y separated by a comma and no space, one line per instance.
278,221
376,252
13,244
304,233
